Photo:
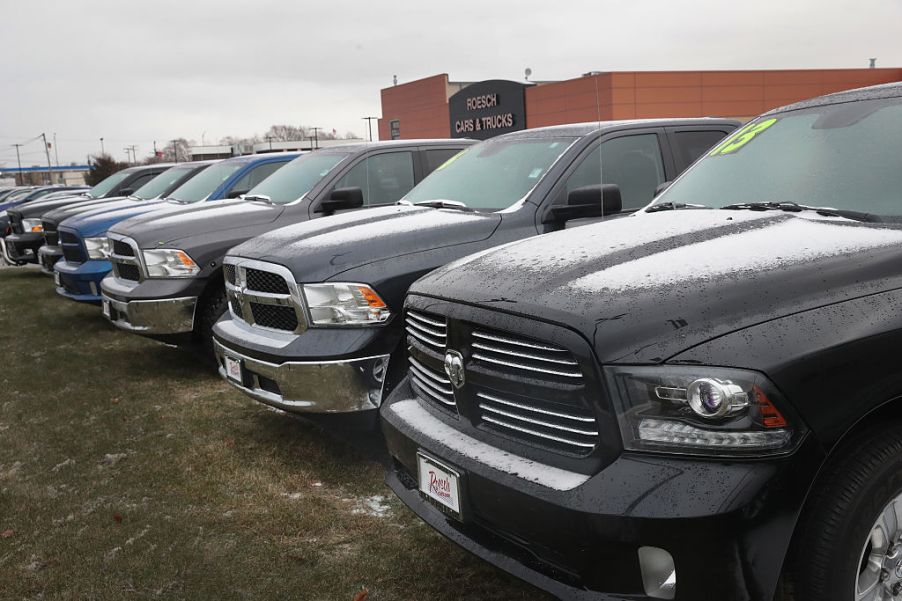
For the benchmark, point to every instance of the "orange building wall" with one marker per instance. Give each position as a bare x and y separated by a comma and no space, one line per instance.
422,105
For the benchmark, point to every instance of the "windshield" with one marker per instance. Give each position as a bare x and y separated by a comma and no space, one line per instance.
104,187
297,177
844,156
492,175
206,182
163,182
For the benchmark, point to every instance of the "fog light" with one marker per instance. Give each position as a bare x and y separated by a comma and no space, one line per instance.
658,572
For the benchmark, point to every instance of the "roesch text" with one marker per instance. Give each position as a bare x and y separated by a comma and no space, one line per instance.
477,103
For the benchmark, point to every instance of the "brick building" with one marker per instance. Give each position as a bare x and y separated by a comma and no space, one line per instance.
420,109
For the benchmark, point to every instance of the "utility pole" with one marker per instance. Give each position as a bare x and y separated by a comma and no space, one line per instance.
269,139
315,137
134,151
369,122
56,151
19,161
175,151
102,151
154,148
49,166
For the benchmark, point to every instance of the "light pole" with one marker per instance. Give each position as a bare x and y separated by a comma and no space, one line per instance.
102,151
315,137
369,122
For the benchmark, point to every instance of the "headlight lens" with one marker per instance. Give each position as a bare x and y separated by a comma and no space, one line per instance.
699,410
32,225
98,248
345,304
169,263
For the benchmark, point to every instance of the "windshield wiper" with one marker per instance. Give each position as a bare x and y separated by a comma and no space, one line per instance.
794,207
673,206
260,197
444,204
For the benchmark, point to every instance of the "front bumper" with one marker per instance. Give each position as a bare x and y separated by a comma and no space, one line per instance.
81,281
15,252
727,525
341,386
47,258
152,317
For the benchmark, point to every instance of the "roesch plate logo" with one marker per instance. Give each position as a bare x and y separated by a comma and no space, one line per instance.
488,108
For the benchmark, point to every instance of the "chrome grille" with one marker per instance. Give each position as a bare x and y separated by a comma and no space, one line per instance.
262,295
228,272
125,259
571,428
427,329
523,355
432,385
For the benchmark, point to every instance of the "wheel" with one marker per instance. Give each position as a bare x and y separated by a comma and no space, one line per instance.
850,545
212,306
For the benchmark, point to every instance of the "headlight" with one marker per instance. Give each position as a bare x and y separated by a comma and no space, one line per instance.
699,410
32,225
345,304
169,263
98,248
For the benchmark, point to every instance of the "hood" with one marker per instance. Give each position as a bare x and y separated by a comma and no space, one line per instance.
152,230
37,208
97,221
102,204
319,249
647,287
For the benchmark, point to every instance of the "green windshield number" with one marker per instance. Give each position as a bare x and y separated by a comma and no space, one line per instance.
742,137
449,161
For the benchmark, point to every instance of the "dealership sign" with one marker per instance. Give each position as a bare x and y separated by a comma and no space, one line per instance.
488,108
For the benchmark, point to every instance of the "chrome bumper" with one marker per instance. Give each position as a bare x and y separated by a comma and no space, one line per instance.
42,253
169,316
310,387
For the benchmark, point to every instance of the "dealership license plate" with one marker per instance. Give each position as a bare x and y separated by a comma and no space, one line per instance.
233,369
56,279
106,308
440,484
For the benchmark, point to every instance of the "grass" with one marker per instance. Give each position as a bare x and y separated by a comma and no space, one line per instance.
130,471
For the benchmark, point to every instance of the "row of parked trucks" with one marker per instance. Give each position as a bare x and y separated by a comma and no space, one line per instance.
605,371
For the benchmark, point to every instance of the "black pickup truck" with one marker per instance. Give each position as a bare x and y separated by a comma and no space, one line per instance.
315,321
703,401
182,307
25,221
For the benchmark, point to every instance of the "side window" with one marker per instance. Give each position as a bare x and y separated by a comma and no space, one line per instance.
632,162
689,145
140,181
438,157
255,176
384,178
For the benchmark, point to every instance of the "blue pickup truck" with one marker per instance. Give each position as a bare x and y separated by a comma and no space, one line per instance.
86,249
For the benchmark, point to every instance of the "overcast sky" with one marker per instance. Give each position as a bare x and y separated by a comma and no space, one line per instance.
135,72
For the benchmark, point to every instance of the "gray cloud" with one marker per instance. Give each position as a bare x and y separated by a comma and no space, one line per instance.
134,72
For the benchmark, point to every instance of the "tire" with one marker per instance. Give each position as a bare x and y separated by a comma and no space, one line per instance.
212,306
841,528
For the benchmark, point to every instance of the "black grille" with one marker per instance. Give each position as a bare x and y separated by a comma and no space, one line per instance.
15,222
51,237
123,249
48,261
67,238
74,254
127,271
276,317
228,272
11,250
264,281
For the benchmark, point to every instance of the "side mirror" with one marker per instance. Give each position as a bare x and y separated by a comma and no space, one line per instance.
589,201
341,198
661,187
237,193
126,192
